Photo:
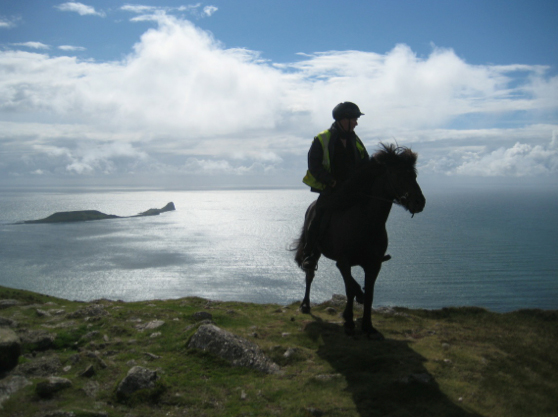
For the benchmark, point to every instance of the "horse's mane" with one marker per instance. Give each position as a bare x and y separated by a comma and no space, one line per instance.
388,156
395,156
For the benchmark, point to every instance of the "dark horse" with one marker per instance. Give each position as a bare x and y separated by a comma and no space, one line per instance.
355,231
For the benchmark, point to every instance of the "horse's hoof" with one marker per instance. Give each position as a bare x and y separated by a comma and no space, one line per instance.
305,309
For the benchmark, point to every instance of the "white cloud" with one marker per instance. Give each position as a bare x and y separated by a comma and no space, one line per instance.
33,45
7,23
209,10
135,8
79,8
182,102
153,12
71,48
520,160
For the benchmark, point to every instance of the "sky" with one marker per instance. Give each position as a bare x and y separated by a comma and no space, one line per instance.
228,93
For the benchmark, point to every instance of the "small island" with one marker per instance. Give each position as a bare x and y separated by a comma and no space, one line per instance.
87,215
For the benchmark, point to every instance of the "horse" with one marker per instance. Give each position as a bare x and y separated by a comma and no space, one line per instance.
354,233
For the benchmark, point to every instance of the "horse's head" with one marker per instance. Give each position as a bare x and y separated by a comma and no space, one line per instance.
401,177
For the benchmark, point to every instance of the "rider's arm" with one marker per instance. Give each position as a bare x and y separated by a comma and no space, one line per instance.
315,163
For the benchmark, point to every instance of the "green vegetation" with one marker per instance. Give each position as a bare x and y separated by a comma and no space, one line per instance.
449,362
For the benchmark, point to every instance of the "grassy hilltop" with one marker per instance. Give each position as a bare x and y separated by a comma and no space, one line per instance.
449,362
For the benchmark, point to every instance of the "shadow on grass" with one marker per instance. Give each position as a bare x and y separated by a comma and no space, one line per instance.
384,377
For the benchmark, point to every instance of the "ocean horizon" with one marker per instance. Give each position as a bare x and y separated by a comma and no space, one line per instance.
488,248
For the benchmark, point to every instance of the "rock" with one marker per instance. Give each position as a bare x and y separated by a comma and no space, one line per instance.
138,378
91,389
46,366
232,348
314,412
51,386
338,300
202,315
8,303
327,377
331,311
37,340
154,212
10,386
152,356
201,323
10,349
89,372
42,313
155,324
93,310
291,352
6,322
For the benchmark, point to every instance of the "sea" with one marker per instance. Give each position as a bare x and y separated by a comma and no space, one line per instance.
491,248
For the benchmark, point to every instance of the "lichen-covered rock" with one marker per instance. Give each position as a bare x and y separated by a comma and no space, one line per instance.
138,378
11,385
6,322
93,310
10,349
234,349
51,386
8,303
37,340
202,315
45,366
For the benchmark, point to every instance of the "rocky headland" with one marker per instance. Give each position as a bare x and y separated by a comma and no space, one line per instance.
87,215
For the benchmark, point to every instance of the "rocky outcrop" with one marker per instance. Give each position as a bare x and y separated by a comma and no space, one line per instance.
11,385
232,348
155,212
87,215
8,303
138,378
51,386
10,349
37,339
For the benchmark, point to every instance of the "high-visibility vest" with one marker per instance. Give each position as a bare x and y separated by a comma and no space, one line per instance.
324,138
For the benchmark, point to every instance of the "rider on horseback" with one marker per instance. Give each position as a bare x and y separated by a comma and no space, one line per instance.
333,156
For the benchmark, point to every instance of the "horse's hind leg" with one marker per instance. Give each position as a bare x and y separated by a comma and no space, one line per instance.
350,282
305,306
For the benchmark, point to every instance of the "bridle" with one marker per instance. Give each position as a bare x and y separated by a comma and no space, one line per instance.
398,199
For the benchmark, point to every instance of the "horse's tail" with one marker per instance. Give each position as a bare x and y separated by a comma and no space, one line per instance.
299,244
298,247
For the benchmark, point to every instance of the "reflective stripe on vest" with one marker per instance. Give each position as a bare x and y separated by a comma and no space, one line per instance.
309,179
324,138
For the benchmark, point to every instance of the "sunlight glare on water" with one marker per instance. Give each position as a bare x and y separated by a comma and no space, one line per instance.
491,251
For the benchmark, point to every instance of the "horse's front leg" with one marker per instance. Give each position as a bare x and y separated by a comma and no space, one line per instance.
305,306
349,281
370,275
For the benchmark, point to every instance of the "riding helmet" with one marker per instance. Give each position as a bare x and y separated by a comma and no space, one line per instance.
346,110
